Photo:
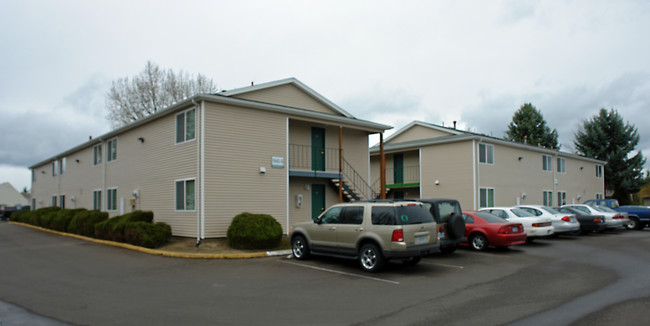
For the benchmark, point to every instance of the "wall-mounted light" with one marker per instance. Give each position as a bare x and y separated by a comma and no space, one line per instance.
523,195
521,158
141,139
582,168
77,160
437,182
262,169
42,172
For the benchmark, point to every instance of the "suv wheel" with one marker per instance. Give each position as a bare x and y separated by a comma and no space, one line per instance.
299,247
370,258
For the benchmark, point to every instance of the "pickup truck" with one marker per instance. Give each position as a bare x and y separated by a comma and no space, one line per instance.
639,215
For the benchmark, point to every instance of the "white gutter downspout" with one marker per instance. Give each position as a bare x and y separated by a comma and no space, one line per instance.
477,190
474,174
101,142
200,233
420,168
286,169
202,170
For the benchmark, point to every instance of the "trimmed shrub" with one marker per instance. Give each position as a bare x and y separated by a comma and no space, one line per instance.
147,234
83,223
254,231
63,218
23,217
113,228
44,216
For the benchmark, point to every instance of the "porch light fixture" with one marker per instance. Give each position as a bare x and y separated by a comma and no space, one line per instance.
521,158
262,169
141,139
437,182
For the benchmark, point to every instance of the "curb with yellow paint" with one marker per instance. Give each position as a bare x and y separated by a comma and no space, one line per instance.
161,252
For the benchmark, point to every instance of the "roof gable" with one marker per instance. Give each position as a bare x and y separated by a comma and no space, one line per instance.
10,196
288,92
418,130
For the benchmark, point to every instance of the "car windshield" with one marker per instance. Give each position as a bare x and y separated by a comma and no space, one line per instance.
550,210
607,209
490,218
521,212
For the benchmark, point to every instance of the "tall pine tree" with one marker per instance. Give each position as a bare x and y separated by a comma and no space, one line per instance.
528,126
606,137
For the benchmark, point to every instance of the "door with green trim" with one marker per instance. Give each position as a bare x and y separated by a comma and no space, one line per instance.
317,200
317,149
398,168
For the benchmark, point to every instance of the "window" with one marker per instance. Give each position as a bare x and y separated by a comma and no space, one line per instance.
487,197
111,199
97,200
62,201
62,165
54,201
111,150
600,196
344,215
185,195
97,154
547,163
548,198
486,153
599,171
561,198
561,165
55,167
185,126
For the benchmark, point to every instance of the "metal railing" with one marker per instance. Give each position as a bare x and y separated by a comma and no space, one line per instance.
356,182
300,157
411,174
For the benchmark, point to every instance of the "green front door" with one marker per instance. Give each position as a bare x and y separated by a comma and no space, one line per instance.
398,168
317,149
317,200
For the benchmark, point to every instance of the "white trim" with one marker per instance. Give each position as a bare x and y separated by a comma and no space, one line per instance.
474,180
551,197
544,160
420,168
108,149
487,199
184,112
100,199
108,201
184,195
486,154
422,124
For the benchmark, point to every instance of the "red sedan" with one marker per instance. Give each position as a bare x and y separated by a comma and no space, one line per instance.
483,230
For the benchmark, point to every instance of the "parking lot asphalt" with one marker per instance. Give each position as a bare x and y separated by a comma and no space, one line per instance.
569,280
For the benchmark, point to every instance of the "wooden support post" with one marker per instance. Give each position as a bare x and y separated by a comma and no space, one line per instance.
382,167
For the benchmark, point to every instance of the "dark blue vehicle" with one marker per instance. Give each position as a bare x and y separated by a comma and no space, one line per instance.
639,215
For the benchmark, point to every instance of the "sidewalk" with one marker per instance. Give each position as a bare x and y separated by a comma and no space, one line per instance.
181,247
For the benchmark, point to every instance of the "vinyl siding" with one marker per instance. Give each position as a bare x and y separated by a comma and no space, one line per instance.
451,165
287,95
237,143
416,133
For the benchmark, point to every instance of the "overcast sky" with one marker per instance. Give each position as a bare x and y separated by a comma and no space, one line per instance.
475,62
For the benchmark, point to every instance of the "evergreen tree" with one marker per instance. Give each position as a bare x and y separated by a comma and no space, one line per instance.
528,126
605,137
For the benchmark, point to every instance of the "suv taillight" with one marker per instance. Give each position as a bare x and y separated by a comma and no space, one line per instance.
398,235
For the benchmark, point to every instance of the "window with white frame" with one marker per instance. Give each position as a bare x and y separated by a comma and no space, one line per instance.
548,198
185,198
97,200
62,201
547,163
54,201
599,171
111,150
185,126
561,198
600,196
97,154
55,167
561,165
486,153
111,199
486,197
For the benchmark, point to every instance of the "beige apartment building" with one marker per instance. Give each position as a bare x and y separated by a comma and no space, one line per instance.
429,161
278,148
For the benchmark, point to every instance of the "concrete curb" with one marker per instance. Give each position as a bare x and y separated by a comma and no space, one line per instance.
157,252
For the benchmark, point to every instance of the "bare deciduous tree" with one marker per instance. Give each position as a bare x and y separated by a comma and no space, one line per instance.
150,91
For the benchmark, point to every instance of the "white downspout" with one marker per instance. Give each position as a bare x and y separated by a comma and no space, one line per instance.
286,169
202,163
420,168
476,173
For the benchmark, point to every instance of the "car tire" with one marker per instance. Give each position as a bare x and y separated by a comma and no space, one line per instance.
299,247
371,258
456,226
478,242
633,224
448,250
411,261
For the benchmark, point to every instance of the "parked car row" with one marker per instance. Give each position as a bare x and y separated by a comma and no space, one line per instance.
374,232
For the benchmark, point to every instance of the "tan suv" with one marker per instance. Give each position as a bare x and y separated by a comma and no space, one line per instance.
370,231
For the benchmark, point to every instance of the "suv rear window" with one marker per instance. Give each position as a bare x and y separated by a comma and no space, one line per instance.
401,215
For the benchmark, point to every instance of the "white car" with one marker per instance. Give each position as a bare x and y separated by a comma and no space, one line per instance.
534,226
613,219
563,223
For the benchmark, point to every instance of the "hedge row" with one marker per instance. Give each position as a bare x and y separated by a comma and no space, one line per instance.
136,228
254,231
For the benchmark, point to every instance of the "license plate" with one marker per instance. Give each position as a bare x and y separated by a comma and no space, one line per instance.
515,229
422,239
441,235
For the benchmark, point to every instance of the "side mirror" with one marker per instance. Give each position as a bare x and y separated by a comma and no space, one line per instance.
318,221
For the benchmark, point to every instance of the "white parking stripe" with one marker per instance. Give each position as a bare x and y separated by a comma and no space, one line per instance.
443,265
339,272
